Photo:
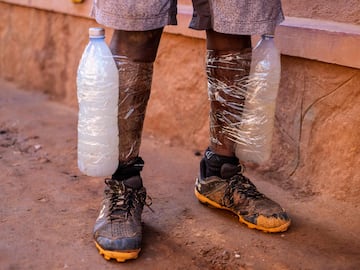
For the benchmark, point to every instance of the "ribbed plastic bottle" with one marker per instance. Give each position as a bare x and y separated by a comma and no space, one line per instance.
97,93
259,109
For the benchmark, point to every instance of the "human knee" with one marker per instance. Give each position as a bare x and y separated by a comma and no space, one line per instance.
138,46
226,42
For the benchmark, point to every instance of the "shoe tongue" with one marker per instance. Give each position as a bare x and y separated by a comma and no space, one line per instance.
229,170
134,182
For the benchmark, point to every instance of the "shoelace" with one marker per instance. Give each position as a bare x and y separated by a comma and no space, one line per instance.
123,200
241,184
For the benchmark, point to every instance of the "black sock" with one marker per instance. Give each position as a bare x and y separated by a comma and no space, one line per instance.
132,168
211,163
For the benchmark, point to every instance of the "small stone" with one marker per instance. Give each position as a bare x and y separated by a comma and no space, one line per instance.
237,255
42,199
44,160
37,147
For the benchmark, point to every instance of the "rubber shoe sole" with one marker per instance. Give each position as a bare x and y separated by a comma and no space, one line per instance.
207,201
119,256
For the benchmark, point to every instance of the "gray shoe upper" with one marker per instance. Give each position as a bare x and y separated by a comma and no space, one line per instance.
118,226
225,185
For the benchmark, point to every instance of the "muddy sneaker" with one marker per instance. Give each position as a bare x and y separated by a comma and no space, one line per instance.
222,185
118,230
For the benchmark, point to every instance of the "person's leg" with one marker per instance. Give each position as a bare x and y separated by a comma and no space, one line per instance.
137,46
118,230
134,54
228,62
221,182
134,44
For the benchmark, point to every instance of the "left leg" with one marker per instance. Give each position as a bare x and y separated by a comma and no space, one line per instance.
228,62
221,182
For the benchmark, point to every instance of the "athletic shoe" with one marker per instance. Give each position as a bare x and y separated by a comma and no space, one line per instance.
118,229
227,188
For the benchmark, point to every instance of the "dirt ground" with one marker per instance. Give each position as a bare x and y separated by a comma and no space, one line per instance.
47,207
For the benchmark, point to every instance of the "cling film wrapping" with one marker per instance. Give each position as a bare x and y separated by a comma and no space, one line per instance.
242,88
227,74
134,91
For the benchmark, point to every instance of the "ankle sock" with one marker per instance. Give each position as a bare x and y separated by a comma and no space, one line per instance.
211,163
129,169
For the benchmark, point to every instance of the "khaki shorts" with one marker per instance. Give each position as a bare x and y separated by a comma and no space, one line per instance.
241,17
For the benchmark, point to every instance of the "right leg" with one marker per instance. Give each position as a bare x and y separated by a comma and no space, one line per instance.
139,25
118,230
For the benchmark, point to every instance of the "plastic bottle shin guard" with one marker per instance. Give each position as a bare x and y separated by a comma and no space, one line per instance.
134,92
227,73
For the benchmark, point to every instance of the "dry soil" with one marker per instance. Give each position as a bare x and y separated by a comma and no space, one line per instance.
47,207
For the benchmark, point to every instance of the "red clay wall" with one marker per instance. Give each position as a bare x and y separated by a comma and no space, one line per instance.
339,11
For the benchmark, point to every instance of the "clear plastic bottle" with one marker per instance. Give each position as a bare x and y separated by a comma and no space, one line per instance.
259,109
97,92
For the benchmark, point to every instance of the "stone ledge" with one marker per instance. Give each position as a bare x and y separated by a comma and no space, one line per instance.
325,41
64,6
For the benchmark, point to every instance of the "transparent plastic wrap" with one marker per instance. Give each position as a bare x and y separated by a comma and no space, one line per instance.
248,112
134,91
97,92
227,73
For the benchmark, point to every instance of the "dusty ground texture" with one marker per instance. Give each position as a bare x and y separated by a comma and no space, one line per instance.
47,208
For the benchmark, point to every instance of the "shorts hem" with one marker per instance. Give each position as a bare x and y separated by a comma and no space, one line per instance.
246,28
131,23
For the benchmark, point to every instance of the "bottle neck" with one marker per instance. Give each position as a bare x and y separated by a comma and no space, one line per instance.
96,38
